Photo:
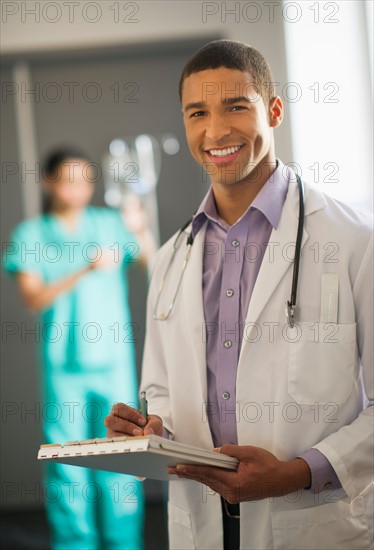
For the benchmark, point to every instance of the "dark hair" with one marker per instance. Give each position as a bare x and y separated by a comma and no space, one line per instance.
232,55
52,163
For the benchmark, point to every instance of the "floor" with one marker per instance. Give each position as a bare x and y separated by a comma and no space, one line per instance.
28,530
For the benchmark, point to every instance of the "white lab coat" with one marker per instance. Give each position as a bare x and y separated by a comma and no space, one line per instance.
296,388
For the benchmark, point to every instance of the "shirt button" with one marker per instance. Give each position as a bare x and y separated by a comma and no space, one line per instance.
227,344
235,243
229,292
226,395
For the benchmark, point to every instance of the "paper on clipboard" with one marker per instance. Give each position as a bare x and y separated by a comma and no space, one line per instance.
145,456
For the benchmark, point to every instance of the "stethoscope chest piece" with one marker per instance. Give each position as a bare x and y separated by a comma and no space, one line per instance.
290,314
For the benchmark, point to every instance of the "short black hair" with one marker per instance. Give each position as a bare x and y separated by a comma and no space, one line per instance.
232,55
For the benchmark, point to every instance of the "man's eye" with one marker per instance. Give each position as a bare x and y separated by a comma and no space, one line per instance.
237,107
197,114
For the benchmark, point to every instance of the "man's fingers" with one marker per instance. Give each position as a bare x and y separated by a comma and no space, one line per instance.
125,412
128,421
240,451
154,425
125,419
206,475
123,427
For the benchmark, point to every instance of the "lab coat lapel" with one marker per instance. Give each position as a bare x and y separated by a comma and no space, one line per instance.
277,258
193,308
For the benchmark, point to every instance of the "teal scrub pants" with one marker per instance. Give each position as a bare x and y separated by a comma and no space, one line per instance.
89,509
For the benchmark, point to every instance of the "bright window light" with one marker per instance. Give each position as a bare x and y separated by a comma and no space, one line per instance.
330,101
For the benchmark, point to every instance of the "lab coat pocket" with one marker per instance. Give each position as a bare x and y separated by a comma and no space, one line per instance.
335,526
180,528
322,360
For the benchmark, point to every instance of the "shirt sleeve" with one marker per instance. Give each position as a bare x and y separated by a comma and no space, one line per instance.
23,251
323,474
165,433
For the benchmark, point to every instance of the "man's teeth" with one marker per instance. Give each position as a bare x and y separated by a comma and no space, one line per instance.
224,152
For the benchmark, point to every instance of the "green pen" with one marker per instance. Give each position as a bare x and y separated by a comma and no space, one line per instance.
143,405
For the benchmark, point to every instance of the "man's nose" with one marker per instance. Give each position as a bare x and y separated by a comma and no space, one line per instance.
217,128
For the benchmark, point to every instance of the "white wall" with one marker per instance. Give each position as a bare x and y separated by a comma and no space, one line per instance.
35,25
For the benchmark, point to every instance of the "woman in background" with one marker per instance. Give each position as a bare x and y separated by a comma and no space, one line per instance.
76,282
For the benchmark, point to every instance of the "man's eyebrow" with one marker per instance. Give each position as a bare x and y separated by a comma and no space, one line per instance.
239,99
226,101
196,105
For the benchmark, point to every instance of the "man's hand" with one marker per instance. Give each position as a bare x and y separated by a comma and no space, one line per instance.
124,420
259,475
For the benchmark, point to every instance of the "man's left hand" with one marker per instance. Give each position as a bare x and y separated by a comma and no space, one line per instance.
259,475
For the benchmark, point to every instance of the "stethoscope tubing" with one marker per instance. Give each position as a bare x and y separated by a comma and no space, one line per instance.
299,237
290,304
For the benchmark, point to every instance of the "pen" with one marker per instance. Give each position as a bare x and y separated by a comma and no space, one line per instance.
143,405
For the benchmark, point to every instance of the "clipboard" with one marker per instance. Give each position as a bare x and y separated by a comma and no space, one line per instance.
141,456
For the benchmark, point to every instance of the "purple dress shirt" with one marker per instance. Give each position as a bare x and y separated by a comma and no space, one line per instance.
231,262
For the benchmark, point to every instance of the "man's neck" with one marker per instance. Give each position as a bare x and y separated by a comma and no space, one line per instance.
233,200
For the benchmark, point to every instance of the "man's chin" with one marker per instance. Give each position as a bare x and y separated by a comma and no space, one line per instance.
225,176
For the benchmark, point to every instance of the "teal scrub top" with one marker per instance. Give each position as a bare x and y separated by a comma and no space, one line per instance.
89,326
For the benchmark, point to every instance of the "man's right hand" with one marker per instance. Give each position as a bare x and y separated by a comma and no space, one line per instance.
124,420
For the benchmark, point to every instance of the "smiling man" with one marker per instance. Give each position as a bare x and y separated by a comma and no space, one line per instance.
229,133
224,367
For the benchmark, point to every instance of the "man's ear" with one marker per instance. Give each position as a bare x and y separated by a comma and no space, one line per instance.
275,112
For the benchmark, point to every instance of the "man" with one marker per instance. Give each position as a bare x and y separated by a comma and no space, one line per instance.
223,368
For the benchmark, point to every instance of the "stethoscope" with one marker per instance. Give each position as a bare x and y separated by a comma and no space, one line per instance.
290,304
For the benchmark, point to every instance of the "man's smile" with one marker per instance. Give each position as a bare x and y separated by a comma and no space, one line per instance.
224,155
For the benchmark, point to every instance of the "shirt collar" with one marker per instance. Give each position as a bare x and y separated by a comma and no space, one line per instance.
269,200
